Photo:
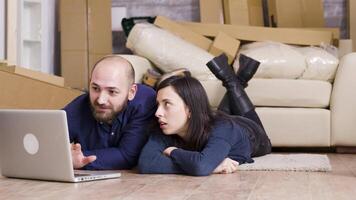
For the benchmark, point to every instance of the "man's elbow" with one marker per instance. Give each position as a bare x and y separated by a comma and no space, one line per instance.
128,166
127,163
131,163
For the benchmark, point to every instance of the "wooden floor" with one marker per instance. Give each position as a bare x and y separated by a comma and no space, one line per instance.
337,185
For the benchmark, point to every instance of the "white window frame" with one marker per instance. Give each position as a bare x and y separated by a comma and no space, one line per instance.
2,29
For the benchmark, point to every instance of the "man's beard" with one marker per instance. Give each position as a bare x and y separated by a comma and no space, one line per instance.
106,117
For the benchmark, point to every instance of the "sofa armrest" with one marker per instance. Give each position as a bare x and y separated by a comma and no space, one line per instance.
343,103
140,65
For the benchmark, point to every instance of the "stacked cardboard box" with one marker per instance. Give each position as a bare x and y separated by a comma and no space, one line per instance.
55,80
302,23
182,32
256,33
276,13
222,43
280,13
227,37
243,12
211,11
85,28
238,12
26,89
296,13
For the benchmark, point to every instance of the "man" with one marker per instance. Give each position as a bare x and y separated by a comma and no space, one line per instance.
108,126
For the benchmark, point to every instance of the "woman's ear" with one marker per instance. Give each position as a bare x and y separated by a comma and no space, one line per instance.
132,91
187,110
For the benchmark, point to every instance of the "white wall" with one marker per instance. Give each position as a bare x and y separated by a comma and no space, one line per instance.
2,29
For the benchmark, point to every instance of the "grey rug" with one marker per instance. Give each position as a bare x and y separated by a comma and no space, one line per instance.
289,162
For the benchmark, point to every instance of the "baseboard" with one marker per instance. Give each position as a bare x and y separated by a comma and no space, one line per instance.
305,149
345,149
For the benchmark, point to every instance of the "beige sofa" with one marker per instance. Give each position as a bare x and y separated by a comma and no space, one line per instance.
305,113
295,112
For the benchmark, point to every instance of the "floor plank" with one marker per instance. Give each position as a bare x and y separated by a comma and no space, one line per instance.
339,184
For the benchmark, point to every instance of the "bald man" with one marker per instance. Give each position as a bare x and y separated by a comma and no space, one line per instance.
108,126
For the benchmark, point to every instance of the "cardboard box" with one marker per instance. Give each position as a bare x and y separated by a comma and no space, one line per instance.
73,25
243,12
224,43
335,31
285,13
75,68
313,13
335,34
99,27
296,13
211,11
85,29
256,33
22,92
183,32
55,80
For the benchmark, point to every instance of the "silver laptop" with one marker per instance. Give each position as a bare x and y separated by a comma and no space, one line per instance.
34,144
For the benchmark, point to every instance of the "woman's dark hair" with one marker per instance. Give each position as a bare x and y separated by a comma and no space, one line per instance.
195,97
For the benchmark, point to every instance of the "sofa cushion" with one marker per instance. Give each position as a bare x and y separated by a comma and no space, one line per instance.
296,127
277,92
214,90
289,93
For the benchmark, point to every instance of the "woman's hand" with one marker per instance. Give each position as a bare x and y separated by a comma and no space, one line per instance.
168,151
227,166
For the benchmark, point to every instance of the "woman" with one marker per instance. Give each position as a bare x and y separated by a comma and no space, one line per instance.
196,140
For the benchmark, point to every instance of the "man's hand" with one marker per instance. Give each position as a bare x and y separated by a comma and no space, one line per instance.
227,166
168,151
78,158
